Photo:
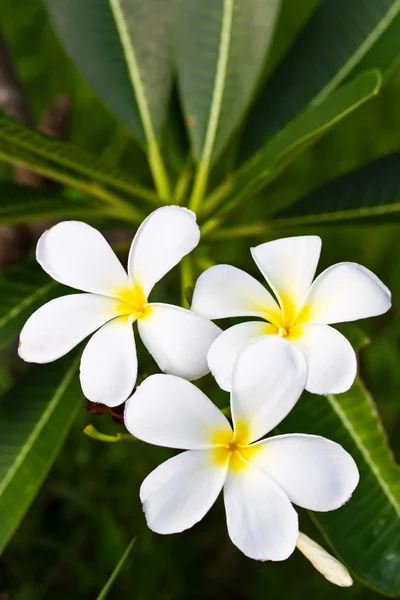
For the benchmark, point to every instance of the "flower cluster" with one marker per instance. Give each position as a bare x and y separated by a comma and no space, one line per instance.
265,364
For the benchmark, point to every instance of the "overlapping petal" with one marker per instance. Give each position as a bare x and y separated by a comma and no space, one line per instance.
314,472
289,266
225,291
162,240
169,411
261,521
268,379
181,491
346,292
109,363
61,324
178,339
77,255
331,360
224,351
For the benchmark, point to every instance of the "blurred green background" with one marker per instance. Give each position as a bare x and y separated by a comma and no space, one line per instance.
88,509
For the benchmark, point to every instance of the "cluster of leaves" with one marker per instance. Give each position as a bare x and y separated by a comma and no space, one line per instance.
219,118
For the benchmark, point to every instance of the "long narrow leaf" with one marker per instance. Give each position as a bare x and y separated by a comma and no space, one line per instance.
35,417
366,531
298,136
336,38
122,48
22,203
104,592
16,137
23,289
220,49
370,194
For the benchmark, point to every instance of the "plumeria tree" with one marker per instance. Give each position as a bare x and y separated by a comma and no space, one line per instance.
210,111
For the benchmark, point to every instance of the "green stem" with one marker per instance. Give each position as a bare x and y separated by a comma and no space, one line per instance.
93,433
158,170
240,231
199,187
217,197
187,280
182,185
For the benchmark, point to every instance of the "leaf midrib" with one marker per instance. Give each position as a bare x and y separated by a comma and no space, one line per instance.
354,213
358,54
134,71
219,81
41,423
365,453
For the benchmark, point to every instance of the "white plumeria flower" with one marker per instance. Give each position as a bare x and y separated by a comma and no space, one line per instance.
344,292
260,479
77,255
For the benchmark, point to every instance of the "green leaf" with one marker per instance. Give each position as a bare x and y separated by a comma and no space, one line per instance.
220,48
366,531
269,162
369,195
22,203
23,289
104,592
335,39
122,48
18,140
35,417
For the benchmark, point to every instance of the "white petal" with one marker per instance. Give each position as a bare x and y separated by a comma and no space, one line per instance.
268,378
262,523
331,360
109,363
77,255
61,324
181,491
289,266
314,472
169,411
178,339
225,291
325,563
224,351
162,240
346,292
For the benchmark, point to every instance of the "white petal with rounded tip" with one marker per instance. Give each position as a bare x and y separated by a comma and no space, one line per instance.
77,255
169,411
61,324
331,360
178,339
224,351
314,472
225,291
181,491
109,363
325,563
289,266
268,379
162,240
347,292
262,523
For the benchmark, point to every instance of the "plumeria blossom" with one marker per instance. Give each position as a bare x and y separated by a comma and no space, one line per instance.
301,312
260,479
77,255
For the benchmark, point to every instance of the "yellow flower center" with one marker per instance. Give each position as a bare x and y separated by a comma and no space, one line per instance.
133,302
233,447
286,322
